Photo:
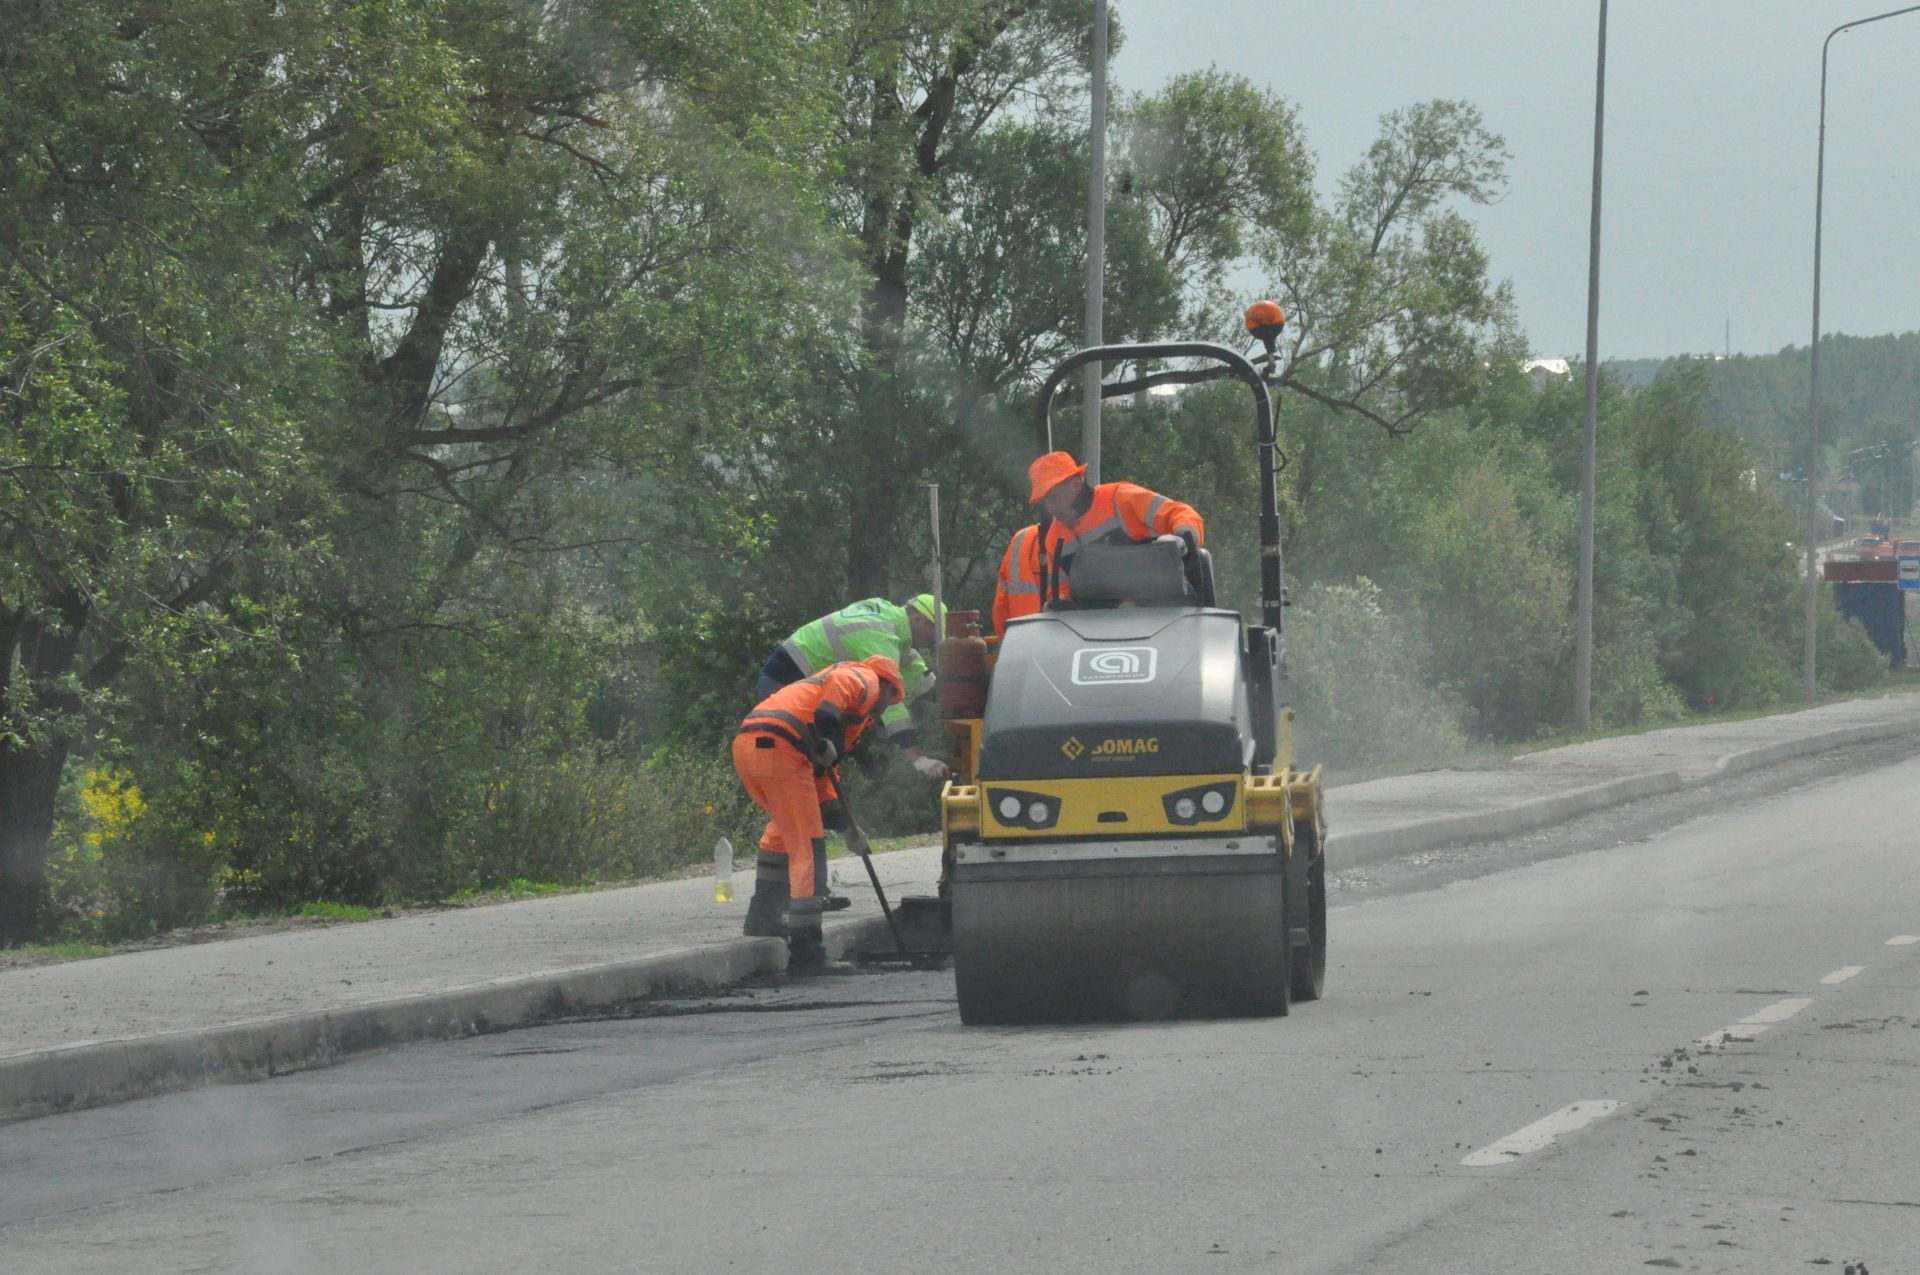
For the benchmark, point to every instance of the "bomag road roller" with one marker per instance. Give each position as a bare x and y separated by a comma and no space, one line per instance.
1127,836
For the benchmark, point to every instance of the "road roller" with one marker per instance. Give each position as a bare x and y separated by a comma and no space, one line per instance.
1127,836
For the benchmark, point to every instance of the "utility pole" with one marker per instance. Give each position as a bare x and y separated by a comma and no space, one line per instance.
1583,650
1096,246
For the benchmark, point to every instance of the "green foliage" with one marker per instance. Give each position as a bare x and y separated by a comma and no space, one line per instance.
322,909
1848,659
518,888
1502,650
120,865
886,794
1358,670
408,461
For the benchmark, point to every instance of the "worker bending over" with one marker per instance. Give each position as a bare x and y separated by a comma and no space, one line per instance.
1082,515
785,752
873,626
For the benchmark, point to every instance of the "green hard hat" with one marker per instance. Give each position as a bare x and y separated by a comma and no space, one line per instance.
923,606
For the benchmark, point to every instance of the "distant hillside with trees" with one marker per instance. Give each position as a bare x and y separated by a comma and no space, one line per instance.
1869,388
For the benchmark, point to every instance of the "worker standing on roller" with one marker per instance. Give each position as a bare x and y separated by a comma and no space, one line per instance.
1081,515
785,753
1018,592
873,626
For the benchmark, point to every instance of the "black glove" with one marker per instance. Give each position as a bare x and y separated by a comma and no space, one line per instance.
833,816
829,743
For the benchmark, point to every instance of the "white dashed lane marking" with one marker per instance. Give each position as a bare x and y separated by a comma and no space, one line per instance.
1778,1012
1753,1024
1901,940
1541,1133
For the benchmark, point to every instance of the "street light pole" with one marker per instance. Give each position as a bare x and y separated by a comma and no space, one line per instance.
1096,246
1583,653
1809,652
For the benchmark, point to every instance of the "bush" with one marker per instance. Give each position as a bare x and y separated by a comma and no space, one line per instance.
597,816
119,867
888,795
1355,667
1628,688
1847,658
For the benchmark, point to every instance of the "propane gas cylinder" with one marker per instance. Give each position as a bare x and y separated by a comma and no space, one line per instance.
961,664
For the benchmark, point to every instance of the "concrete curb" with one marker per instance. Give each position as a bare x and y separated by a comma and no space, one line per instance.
1359,849
97,1073
1788,749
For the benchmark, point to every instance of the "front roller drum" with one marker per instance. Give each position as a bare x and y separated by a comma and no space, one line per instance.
1163,943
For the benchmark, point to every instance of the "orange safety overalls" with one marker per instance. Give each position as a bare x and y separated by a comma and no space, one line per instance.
772,753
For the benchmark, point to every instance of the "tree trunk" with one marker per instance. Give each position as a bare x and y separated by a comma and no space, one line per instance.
29,776
883,476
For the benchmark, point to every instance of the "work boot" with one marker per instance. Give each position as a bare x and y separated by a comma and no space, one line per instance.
806,946
829,901
806,952
766,910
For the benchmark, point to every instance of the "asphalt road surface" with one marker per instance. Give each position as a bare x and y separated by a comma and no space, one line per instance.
1679,1036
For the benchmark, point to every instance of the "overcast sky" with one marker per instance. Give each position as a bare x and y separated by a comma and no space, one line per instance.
1712,123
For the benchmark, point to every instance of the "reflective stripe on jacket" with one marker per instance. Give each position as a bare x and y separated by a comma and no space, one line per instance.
837,702
1124,507
1018,593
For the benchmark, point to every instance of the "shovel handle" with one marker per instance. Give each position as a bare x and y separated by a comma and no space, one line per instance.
885,908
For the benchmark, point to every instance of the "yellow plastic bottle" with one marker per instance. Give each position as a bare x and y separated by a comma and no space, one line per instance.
723,871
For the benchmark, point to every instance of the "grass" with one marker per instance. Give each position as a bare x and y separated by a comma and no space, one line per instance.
324,909
521,888
67,951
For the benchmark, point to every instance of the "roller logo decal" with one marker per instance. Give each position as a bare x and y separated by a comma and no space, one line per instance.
1121,748
1113,665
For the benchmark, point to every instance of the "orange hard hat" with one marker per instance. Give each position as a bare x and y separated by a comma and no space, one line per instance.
888,672
1049,472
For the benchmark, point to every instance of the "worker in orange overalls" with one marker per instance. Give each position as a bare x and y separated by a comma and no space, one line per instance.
785,753
1018,592
1082,514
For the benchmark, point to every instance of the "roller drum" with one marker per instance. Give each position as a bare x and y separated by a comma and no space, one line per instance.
1088,942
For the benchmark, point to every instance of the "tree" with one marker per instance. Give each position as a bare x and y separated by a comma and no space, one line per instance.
382,277
921,82
1393,315
1221,168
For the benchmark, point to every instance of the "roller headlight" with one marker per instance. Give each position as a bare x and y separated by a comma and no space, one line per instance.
1028,811
1205,804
